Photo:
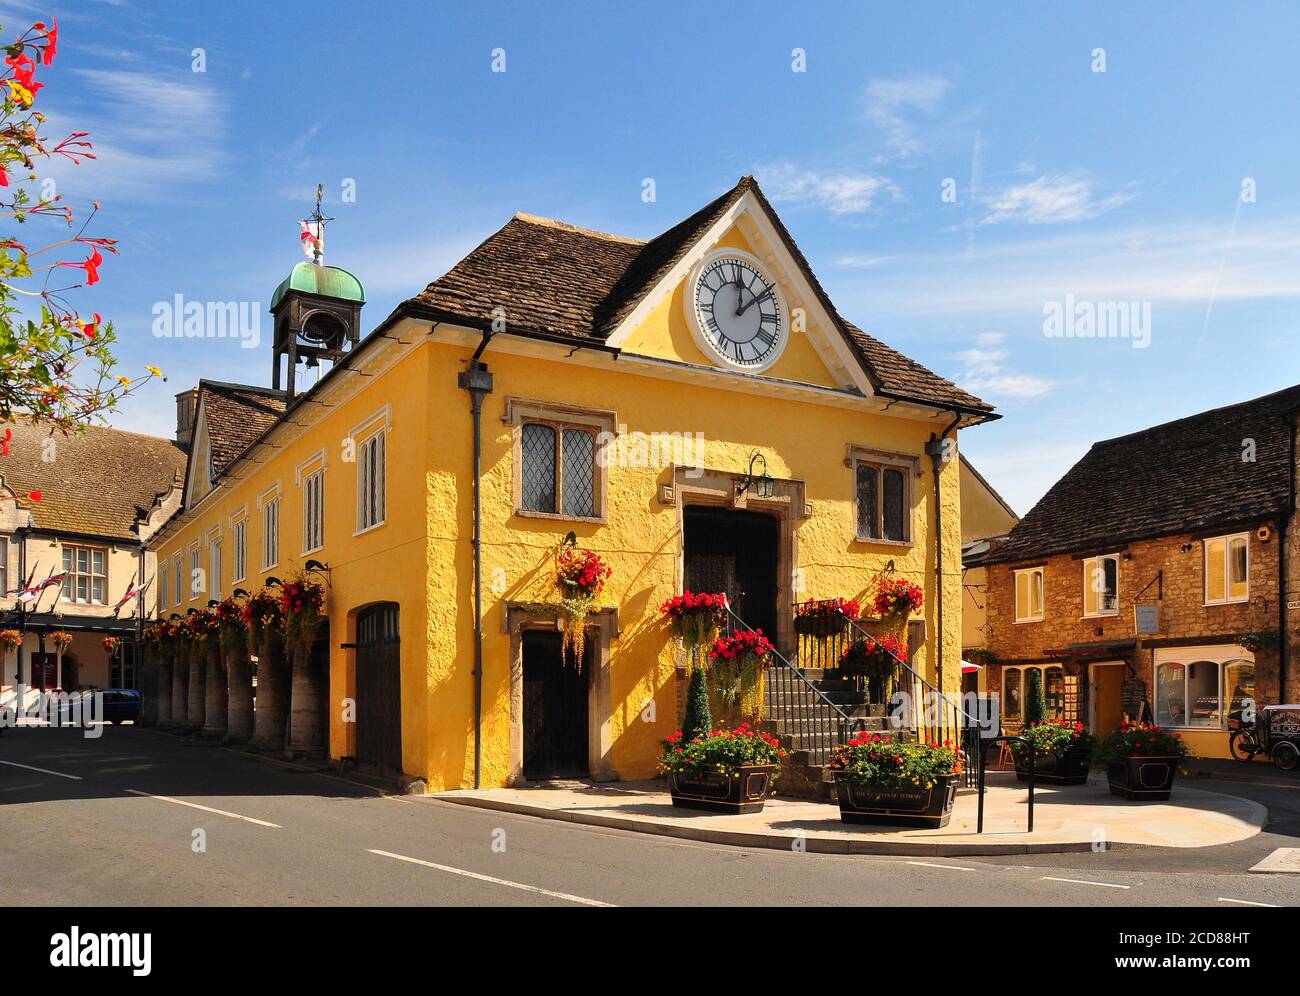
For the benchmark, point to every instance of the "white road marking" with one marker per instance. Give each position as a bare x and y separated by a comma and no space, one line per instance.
489,878
1080,881
927,864
43,771
1247,902
206,809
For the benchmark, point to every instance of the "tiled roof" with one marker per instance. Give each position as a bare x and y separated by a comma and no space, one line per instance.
559,280
97,484
236,414
1183,476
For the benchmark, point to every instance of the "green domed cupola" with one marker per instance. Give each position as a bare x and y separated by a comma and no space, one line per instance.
317,308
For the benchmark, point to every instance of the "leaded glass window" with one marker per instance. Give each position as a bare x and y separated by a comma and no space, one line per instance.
539,467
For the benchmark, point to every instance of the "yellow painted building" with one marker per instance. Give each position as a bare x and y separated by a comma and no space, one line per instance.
629,390
985,518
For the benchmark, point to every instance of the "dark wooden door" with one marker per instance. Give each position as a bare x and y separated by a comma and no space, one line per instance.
379,689
735,551
555,708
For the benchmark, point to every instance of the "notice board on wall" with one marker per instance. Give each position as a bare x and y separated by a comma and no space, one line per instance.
1071,708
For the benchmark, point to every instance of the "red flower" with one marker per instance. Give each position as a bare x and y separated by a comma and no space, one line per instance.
34,495
51,42
91,266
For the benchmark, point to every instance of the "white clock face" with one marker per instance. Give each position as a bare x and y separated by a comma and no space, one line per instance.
737,312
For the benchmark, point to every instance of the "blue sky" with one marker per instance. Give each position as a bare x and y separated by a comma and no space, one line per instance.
1123,185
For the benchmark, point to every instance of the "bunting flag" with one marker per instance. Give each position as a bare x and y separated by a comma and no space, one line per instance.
132,591
32,592
313,238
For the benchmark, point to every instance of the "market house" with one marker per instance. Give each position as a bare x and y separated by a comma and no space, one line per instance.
475,418
1155,581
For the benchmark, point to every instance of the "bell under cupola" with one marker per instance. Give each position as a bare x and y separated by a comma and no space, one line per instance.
316,310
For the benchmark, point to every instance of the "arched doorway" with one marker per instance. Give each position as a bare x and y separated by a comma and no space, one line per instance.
379,689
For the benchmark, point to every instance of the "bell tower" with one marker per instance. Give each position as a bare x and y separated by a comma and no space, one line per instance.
316,309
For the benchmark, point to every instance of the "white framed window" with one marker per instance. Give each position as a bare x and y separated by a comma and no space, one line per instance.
4,565
87,570
271,533
1015,690
162,590
313,512
1101,585
239,535
1199,688
1029,595
1227,569
178,575
214,566
882,495
196,573
372,481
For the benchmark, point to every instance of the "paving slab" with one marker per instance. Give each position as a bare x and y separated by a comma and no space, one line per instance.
1285,860
1066,818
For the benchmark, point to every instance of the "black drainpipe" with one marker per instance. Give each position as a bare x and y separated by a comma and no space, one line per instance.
478,382
935,449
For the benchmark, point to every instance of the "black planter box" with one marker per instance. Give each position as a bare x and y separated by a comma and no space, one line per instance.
822,627
1068,768
1142,777
862,802
719,793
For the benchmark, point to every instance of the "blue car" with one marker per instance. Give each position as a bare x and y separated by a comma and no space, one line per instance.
121,704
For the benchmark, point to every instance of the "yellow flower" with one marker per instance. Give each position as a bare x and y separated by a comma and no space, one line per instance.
156,372
124,381
20,93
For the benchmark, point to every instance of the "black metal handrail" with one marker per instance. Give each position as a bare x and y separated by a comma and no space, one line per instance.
813,718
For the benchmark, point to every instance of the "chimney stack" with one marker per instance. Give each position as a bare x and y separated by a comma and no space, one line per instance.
186,411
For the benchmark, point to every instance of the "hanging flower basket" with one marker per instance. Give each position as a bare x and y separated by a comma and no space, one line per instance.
229,613
60,639
111,645
261,614
1255,640
872,657
897,598
826,618
580,577
696,617
10,638
201,625
736,663
302,607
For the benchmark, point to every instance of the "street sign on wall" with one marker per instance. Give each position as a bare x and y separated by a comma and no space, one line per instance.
1146,618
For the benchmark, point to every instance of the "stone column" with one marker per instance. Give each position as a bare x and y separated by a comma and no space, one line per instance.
214,699
148,675
272,695
239,694
306,733
197,700
163,686
180,684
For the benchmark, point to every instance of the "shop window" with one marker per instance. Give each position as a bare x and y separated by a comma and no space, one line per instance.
1015,690
1199,694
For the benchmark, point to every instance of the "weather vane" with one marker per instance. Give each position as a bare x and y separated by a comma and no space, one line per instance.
313,230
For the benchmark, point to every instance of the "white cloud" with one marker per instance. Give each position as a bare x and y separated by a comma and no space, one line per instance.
837,192
890,104
986,372
1050,199
152,132
1176,264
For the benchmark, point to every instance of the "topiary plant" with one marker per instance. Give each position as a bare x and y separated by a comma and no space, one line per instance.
1035,700
698,720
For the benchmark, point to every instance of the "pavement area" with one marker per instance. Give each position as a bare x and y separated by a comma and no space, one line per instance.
1066,818
142,818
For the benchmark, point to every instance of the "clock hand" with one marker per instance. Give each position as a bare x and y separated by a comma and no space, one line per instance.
740,290
755,300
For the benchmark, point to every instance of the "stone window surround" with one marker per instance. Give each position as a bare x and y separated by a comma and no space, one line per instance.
1041,570
858,454
516,618
559,416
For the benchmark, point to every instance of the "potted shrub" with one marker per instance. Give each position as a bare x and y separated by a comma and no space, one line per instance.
879,779
826,618
726,771
1140,760
1062,752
